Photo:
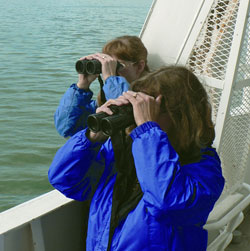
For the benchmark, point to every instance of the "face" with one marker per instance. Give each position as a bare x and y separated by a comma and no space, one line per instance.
130,70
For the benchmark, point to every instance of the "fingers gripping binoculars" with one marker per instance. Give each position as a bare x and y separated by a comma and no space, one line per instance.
121,118
91,67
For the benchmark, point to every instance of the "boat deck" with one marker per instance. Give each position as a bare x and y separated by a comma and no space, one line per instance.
241,240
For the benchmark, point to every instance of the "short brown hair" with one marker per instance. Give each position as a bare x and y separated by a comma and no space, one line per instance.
128,48
187,103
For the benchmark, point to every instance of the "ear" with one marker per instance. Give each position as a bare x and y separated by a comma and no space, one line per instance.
140,67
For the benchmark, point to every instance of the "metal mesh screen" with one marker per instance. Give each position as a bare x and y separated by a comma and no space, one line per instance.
209,58
236,138
214,97
211,51
244,61
235,142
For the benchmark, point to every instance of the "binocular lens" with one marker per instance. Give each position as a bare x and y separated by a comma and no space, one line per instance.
95,125
81,66
107,127
94,121
93,67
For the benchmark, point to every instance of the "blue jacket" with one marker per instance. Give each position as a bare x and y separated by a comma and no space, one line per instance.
176,199
76,104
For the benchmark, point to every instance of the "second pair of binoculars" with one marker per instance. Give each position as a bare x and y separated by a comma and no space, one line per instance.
121,118
91,67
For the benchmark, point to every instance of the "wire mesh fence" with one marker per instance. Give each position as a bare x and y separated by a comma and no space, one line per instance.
210,58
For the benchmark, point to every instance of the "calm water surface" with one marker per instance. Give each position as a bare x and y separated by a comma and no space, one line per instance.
39,44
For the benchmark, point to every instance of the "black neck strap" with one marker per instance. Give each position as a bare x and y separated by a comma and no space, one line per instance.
103,98
127,191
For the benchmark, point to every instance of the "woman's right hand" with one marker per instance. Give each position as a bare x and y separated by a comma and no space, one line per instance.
145,108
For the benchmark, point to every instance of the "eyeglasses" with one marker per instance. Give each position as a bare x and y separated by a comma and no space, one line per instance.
124,65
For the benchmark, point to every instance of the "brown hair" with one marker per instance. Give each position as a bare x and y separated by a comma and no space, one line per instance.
128,48
186,102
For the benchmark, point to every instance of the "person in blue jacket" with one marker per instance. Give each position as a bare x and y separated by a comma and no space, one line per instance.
77,103
161,193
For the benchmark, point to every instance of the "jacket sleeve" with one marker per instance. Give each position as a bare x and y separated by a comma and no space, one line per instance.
76,104
73,110
172,193
78,167
114,87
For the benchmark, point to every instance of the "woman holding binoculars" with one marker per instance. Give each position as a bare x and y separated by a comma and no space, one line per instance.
156,191
77,103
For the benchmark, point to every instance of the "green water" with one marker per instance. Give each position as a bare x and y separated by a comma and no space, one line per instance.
39,44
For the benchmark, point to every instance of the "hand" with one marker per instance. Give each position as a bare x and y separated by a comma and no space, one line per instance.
146,108
109,65
119,102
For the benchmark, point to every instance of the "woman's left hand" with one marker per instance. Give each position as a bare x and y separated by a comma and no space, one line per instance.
109,65
146,108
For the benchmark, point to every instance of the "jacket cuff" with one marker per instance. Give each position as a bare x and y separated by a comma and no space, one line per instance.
143,128
88,92
114,87
80,96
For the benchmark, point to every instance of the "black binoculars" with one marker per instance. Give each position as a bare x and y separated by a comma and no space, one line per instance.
91,67
121,118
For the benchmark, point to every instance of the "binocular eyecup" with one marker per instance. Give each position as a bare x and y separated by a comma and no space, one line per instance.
121,118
